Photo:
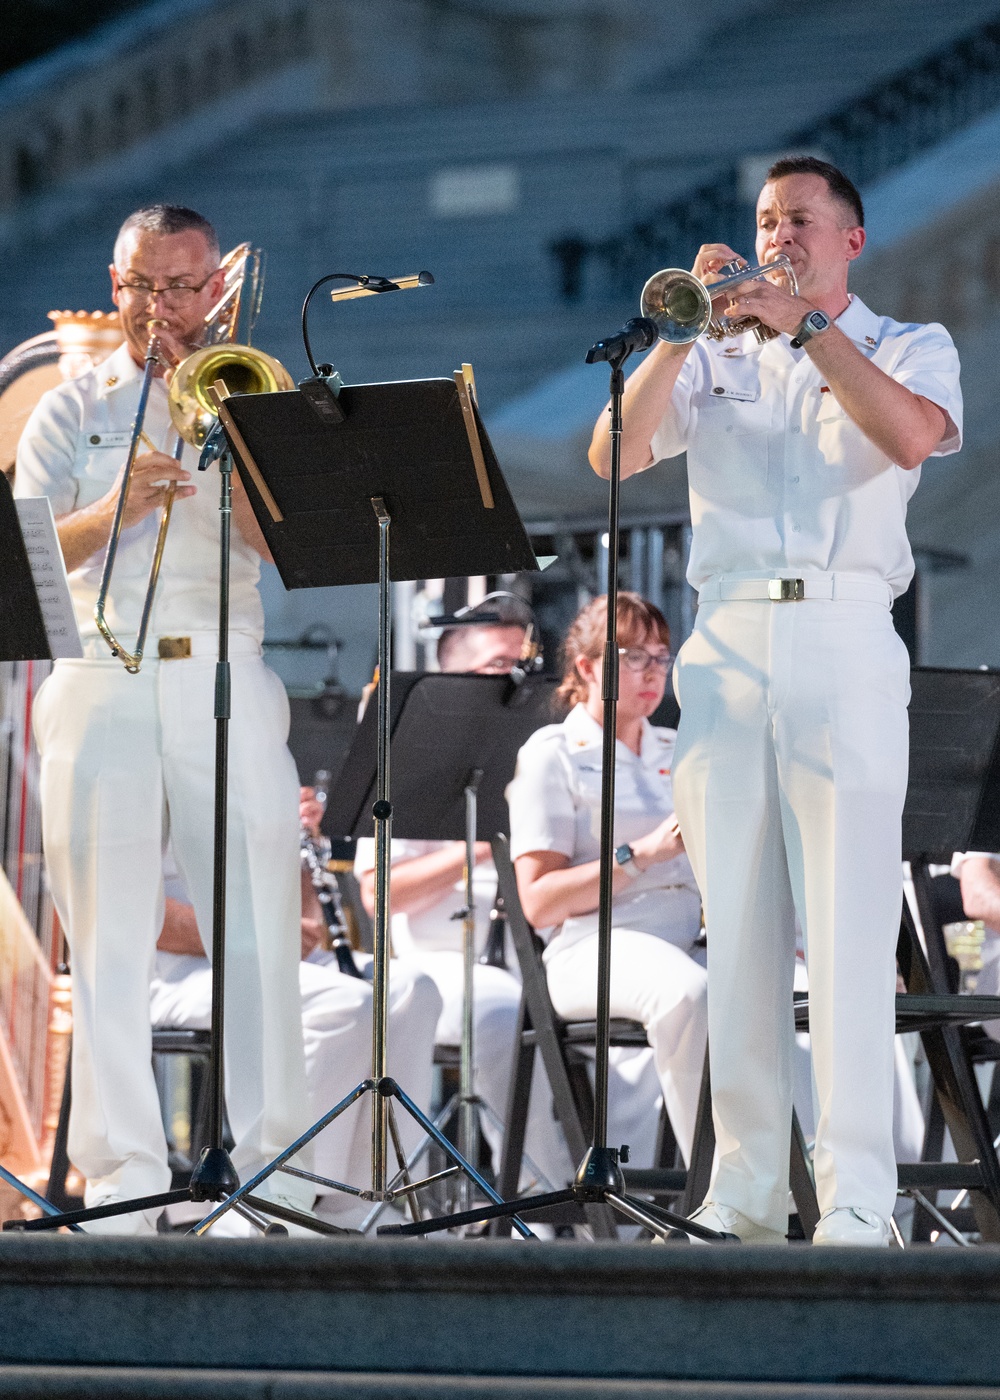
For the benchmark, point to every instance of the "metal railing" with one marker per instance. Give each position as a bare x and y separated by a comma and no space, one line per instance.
867,137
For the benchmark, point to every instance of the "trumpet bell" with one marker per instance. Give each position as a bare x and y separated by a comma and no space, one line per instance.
680,305
677,304
244,371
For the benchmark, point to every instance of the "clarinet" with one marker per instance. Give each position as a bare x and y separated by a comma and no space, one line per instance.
315,853
493,953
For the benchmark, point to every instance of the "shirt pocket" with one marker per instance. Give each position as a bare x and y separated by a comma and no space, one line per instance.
100,456
836,437
728,452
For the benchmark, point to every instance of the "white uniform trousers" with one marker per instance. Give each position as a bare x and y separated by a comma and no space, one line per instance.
128,760
657,983
496,999
790,774
337,1026
907,1116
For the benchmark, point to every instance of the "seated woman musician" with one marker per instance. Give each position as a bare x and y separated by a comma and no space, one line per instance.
555,802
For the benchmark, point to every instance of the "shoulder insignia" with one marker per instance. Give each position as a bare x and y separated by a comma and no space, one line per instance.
111,381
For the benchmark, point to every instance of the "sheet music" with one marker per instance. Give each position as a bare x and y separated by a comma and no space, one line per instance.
48,571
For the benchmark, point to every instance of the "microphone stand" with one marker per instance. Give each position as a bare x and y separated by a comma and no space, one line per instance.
599,1179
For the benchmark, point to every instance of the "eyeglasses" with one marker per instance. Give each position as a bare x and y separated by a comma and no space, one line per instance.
497,665
177,296
637,659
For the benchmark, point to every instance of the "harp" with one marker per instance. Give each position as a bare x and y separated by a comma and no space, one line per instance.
35,1020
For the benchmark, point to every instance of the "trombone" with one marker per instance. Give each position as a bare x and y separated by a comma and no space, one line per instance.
680,304
244,369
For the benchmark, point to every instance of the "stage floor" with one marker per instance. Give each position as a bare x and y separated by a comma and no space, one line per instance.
484,1318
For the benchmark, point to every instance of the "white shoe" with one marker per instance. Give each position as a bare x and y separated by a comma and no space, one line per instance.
732,1222
852,1225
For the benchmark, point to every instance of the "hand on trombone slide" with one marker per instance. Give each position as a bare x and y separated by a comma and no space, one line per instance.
153,474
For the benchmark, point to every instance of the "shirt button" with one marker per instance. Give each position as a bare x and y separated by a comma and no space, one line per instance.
796,430
794,478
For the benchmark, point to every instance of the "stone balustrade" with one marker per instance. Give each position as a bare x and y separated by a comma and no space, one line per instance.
101,95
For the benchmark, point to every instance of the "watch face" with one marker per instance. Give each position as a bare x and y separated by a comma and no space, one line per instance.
819,321
623,855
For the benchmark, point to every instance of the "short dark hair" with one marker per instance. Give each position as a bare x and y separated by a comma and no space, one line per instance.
839,185
168,218
500,609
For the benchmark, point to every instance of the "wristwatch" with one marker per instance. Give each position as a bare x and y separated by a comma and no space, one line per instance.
625,856
813,324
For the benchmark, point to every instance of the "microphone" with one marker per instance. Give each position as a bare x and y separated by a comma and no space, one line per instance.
373,286
638,334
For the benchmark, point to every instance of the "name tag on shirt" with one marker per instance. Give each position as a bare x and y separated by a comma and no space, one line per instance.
109,439
719,391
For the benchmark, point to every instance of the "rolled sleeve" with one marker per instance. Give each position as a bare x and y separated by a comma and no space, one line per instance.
540,799
46,453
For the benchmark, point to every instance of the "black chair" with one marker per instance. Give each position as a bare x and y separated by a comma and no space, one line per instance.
953,1045
560,1044
196,1045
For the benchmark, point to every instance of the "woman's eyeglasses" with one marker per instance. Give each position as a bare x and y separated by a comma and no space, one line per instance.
638,659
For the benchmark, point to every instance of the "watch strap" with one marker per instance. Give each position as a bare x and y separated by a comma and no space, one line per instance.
806,331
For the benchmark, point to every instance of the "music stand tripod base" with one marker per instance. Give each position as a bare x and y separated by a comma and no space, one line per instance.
504,535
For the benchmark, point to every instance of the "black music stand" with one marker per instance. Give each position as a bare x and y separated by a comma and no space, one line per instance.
326,488
22,626
455,740
952,804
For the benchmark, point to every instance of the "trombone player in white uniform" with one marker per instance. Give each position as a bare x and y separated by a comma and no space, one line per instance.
791,761
128,760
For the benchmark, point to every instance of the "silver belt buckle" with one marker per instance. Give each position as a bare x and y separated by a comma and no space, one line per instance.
173,648
786,590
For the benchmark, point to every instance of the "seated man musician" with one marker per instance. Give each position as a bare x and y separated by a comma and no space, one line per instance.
489,639
337,1031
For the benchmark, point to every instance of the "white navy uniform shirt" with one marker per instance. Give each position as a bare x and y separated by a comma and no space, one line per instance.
781,480
433,930
71,450
555,805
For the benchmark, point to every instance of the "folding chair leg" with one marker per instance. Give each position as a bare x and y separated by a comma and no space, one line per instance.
55,1191
517,1112
666,1142
702,1151
801,1180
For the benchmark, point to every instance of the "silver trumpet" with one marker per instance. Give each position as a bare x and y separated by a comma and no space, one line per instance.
680,305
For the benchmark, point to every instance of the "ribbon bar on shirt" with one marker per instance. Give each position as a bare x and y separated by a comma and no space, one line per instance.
782,589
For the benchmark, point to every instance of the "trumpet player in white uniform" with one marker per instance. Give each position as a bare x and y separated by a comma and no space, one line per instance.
791,761
128,760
